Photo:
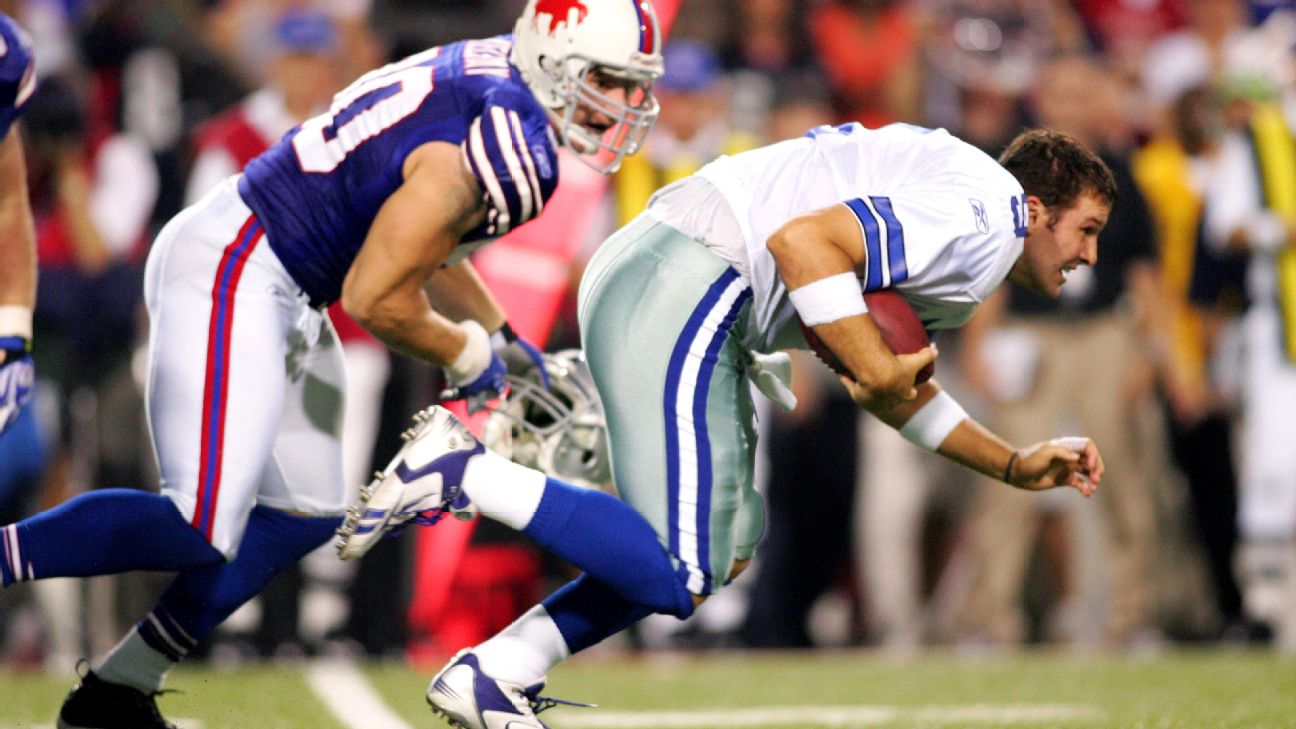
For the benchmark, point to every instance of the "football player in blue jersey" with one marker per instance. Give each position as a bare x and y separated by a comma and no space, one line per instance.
688,302
17,236
375,203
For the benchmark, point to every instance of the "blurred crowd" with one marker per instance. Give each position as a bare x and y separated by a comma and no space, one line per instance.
1175,352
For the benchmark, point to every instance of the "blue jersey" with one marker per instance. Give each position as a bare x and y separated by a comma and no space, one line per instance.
17,72
318,189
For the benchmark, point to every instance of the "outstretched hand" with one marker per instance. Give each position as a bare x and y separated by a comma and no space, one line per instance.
1073,462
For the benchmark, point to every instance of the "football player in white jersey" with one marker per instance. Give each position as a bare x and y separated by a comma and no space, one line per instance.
680,307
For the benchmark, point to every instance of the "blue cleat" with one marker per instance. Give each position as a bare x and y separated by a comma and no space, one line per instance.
420,485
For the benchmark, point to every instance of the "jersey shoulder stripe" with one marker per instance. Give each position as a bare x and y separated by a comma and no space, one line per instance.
513,159
884,243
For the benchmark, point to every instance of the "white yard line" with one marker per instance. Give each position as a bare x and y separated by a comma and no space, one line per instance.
350,698
831,716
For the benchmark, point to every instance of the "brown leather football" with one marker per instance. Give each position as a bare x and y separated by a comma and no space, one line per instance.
902,331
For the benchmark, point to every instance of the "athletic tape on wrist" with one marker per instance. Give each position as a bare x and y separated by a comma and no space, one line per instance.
16,321
934,421
829,299
475,357
503,337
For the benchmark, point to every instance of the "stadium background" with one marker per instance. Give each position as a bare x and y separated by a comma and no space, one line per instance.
872,545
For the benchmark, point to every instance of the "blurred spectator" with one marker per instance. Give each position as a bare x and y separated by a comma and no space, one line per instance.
152,77
801,103
693,128
1195,54
768,36
1173,170
869,50
810,500
766,51
988,51
1123,30
1097,314
246,32
1250,210
92,203
990,116
301,76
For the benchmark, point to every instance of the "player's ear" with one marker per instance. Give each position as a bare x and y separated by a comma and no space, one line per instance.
1037,212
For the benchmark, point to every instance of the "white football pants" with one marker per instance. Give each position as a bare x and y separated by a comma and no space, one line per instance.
245,384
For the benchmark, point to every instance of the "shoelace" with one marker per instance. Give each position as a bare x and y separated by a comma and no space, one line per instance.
428,517
544,703
419,518
151,701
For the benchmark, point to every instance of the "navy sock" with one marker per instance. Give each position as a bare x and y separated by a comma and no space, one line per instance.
199,600
101,533
612,542
586,611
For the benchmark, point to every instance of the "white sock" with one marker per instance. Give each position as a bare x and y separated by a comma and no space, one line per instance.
134,663
503,490
524,652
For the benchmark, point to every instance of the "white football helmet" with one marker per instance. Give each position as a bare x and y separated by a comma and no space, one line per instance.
561,431
565,49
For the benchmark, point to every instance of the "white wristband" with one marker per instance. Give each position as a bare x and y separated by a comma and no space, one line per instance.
16,321
934,421
829,299
475,357
1076,443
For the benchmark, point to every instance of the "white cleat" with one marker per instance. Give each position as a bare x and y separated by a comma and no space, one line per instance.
420,485
469,699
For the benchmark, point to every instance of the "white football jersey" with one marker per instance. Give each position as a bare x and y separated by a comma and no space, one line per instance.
942,222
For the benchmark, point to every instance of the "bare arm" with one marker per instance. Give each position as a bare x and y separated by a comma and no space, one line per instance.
824,243
17,234
410,239
1041,466
459,293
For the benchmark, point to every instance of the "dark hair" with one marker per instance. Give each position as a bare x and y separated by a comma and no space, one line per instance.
1057,169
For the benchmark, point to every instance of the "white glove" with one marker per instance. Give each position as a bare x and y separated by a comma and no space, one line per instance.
772,375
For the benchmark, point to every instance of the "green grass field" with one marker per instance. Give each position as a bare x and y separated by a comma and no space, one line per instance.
780,691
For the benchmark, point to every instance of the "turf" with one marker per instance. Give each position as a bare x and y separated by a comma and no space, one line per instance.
1184,689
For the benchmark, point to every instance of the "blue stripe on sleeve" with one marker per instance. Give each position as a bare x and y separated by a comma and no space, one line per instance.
895,239
872,244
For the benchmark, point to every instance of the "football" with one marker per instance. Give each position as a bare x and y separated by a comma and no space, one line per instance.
901,329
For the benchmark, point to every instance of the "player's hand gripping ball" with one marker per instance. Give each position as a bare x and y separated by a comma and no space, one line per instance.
902,331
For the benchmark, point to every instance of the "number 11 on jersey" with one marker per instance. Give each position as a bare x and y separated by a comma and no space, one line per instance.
1021,216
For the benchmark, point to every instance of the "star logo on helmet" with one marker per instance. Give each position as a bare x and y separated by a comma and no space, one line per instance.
559,12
